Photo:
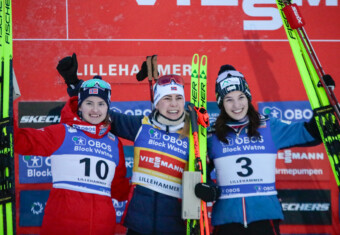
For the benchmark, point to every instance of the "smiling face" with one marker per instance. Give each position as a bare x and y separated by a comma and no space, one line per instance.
236,105
94,110
171,106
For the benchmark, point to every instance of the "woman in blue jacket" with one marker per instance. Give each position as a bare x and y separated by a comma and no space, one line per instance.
243,150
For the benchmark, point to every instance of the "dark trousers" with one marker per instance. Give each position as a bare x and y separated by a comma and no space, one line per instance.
263,227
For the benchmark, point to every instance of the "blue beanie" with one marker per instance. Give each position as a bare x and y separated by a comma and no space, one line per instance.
95,87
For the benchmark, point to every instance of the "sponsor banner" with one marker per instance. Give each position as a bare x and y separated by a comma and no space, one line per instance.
121,69
32,206
213,112
34,169
308,164
144,108
161,163
120,208
306,207
303,163
287,110
305,234
181,21
128,155
39,114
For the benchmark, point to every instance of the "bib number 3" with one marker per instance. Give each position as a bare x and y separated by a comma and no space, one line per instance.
245,165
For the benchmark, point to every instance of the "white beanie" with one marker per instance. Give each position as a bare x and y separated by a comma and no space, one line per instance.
162,90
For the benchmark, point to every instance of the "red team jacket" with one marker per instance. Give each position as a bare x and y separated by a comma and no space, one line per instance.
70,211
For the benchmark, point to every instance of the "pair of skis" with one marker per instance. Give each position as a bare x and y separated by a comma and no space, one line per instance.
7,199
321,97
198,138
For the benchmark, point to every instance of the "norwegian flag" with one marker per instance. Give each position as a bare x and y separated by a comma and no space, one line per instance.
173,88
93,91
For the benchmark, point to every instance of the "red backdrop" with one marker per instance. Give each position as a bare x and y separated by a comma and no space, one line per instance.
112,38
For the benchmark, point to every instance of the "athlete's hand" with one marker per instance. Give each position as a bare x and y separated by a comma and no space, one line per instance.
329,81
143,72
206,192
67,68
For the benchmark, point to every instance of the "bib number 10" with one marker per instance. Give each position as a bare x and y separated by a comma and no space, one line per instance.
102,168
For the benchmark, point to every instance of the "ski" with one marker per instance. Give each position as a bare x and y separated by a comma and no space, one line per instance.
198,138
322,98
7,190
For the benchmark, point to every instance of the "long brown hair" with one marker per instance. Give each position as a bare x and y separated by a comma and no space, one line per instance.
222,129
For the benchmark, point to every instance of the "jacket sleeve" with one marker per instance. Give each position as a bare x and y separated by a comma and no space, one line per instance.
120,186
42,142
288,134
74,91
125,126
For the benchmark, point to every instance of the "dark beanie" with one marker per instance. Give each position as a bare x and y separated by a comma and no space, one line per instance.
95,87
228,80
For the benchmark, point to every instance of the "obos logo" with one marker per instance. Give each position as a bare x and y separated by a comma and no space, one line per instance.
115,109
33,161
258,188
230,142
78,140
37,208
272,112
154,134
290,110
91,129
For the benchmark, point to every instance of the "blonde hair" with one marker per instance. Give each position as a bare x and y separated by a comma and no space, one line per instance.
185,131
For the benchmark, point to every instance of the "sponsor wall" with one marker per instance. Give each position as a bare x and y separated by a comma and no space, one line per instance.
112,38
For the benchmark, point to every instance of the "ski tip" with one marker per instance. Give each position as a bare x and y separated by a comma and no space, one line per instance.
195,59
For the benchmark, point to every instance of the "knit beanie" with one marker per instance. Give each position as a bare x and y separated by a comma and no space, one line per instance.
229,80
95,87
167,89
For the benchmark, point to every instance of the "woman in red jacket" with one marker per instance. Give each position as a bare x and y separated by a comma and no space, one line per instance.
85,159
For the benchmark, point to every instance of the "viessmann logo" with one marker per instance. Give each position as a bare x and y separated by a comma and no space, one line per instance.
288,156
161,163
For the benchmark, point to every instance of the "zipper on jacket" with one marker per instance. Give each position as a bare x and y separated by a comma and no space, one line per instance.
239,130
244,212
